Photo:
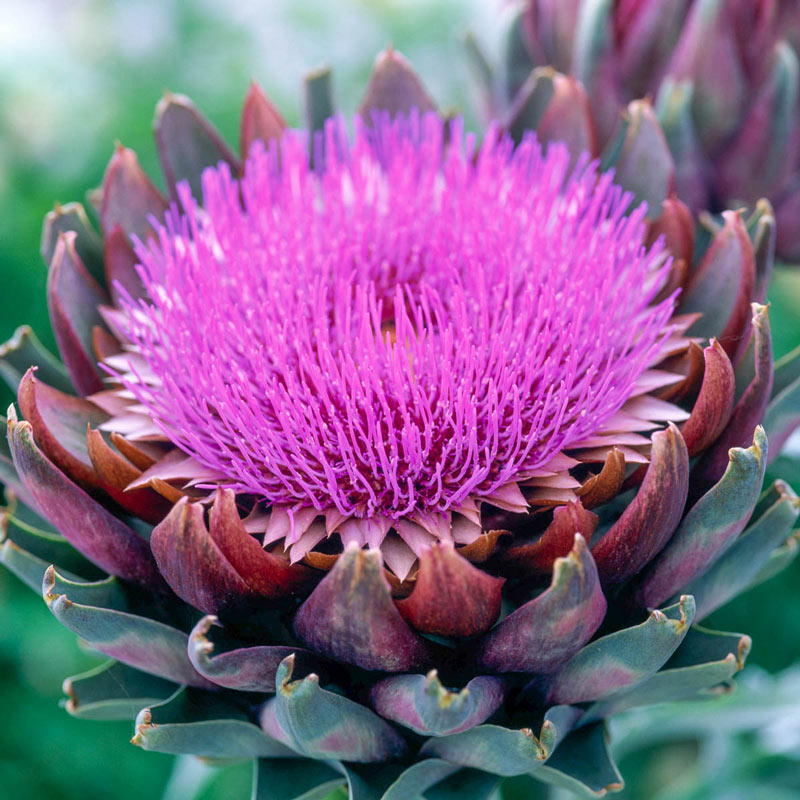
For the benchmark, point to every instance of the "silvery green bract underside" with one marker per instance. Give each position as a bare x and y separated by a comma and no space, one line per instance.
488,642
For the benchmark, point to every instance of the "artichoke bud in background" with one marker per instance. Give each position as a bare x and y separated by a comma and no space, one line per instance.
721,76
399,458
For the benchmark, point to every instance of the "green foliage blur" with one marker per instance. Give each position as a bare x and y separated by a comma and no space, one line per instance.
77,76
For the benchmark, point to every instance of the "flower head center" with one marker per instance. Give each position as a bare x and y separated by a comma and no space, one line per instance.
421,322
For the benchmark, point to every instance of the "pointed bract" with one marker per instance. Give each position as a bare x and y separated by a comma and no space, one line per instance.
350,617
421,703
394,87
187,143
450,596
192,563
620,660
711,526
59,422
714,405
73,297
92,530
325,725
747,413
652,516
129,197
557,540
545,632
641,158
260,120
266,573
239,665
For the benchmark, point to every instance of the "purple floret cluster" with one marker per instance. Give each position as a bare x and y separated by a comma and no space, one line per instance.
418,320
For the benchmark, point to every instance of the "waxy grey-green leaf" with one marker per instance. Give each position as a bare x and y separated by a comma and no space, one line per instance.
779,560
466,783
27,567
620,660
704,659
9,477
419,777
320,724
106,593
45,547
203,724
787,371
368,781
140,642
770,526
782,415
114,691
505,751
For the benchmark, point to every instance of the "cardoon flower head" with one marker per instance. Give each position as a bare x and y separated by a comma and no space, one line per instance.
316,427
418,325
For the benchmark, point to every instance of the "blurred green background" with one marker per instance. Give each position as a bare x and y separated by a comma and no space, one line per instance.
78,75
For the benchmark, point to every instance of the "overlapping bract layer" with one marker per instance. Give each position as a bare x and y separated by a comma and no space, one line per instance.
723,78
346,669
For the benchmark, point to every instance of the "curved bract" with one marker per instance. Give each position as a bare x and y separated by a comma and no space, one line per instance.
398,466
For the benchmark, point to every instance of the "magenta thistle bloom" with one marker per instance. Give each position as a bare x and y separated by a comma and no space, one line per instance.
316,428
418,326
